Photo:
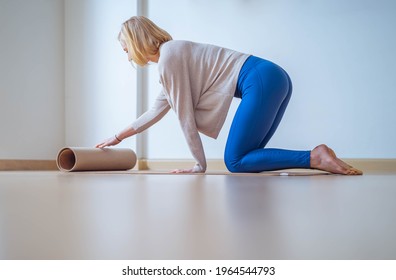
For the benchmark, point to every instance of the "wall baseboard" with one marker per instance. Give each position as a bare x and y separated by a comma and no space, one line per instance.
18,164
367,165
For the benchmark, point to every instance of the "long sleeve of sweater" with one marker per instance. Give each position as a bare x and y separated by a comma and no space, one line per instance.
150,117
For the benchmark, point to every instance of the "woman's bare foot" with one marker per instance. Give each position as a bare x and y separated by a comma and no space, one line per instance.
324,158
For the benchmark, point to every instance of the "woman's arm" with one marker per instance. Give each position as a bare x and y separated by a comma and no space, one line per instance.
159,109
117,138
181,100
195,144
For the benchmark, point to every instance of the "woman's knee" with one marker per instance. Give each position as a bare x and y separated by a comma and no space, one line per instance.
233,164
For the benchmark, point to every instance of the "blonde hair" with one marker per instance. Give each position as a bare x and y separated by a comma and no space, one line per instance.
142,37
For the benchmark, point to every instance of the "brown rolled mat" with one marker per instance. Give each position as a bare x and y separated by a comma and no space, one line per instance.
95,159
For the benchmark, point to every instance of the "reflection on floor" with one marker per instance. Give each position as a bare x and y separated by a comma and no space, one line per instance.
54,215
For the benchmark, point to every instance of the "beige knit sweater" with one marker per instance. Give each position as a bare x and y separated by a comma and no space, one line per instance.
198,83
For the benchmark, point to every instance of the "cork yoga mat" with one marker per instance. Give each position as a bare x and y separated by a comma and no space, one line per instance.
95,159
288,172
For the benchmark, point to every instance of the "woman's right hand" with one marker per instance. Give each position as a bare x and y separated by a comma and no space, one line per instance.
109,142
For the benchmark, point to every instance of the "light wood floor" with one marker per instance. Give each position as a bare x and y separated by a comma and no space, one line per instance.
54,215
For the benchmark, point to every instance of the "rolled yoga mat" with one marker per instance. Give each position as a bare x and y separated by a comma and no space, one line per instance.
95,159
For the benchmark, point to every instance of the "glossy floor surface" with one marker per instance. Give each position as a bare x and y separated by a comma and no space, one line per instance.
54,215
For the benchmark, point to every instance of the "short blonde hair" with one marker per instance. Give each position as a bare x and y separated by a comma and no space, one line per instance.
142,37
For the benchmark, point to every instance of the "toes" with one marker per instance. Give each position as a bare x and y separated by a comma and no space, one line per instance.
357,171
354,171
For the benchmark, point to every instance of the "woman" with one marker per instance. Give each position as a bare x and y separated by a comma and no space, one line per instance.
199,82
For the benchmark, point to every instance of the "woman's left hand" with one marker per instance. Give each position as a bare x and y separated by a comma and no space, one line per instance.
183,171
196,169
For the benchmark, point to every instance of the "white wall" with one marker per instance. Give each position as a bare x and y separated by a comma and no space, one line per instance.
64,79
31,79
100,82
339,54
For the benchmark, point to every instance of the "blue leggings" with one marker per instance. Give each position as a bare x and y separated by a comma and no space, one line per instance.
265,90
